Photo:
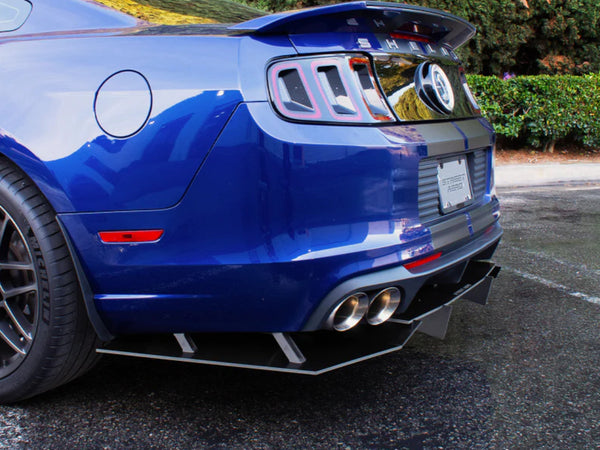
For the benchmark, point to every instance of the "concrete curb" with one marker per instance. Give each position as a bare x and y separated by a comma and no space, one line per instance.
517,175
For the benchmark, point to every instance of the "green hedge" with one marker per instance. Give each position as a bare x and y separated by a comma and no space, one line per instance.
539,110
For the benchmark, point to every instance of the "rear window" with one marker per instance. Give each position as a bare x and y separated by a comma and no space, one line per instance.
13,14
181,12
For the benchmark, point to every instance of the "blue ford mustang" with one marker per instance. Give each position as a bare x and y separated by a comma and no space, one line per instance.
194,180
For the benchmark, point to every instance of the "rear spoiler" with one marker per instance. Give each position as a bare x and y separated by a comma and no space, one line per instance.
366,17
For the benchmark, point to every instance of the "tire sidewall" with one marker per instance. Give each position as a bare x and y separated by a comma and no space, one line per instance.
30,373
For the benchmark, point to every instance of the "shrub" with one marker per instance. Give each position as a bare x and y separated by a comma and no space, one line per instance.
538,110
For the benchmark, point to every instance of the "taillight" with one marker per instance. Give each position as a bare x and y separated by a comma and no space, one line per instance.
468,93
292,96
328,89
371,95
335,89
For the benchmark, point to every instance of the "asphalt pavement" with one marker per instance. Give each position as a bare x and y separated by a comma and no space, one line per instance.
521,372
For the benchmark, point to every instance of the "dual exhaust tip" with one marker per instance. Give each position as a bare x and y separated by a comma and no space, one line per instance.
350,311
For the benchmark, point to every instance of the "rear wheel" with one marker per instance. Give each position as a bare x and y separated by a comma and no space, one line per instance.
45,336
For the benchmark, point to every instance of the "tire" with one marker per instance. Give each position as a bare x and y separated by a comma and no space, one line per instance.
45,336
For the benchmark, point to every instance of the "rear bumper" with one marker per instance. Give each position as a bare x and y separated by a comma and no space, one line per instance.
316,352
278,218
424,289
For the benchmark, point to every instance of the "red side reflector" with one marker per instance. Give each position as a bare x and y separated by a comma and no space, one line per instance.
112,237
422,262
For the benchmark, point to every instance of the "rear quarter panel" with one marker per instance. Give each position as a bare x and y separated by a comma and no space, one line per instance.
48,89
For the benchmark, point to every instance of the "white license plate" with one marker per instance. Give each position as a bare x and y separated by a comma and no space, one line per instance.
454,184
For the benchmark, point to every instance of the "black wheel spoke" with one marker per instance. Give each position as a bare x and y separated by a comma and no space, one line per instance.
16,291
19,321
12,338
3,226
15,266
18,294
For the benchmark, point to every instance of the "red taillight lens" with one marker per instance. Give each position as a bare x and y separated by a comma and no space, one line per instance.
340,88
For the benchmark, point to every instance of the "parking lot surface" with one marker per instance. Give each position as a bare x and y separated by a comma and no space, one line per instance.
519,372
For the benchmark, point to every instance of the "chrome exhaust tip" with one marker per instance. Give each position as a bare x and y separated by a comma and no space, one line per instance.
349,312
383,306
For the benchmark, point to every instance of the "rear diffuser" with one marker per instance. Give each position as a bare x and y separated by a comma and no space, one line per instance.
318,352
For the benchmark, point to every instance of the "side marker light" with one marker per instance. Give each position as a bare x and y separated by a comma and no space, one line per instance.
117,237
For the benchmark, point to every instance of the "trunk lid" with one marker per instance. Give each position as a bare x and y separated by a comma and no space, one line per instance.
411,49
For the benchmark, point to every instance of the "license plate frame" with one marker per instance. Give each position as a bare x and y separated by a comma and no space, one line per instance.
454,184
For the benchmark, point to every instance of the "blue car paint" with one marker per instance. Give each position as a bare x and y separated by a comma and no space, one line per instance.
273,22
193,96
268,214
262,217
55,18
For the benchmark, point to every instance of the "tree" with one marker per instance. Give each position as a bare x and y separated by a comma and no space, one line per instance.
501,31
520,36
564,38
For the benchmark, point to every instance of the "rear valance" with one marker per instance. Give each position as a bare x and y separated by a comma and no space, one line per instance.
367,17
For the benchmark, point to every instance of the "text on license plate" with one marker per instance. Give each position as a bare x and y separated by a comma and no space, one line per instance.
454,184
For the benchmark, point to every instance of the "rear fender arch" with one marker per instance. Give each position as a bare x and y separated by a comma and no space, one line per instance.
46,182
36,170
